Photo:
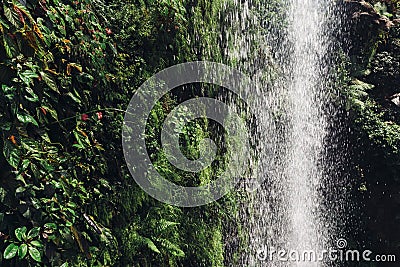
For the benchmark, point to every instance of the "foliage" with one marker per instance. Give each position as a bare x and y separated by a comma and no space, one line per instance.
67,71
371,95
55,58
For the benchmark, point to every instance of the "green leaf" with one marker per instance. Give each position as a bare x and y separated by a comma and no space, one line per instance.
151,244
172,248
6,126
35,254
20,233
5,24
32,97
34,232
26,118
9,46
9,15
51,226
49,81
23,10
65,264
80,139
71,204
78,146
27,76
12,154
10,251
74,98
22,250
47,166
52,112
20,189
72,212
25,164
36,243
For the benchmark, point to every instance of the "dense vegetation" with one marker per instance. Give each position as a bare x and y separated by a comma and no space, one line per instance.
67,72
373,109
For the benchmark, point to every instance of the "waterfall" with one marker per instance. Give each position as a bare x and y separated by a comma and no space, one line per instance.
287,47
308,124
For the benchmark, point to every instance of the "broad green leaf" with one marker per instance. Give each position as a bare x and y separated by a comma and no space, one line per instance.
37,243
23,10
27,77
8,46
22,250
49,81
35,254
26,118
20,233
32,97
65,264
10,251
10,17
12,154
34,232
52,112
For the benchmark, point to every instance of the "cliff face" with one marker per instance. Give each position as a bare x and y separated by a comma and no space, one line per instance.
373,97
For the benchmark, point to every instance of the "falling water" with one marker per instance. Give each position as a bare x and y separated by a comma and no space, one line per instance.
286,46
307,95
